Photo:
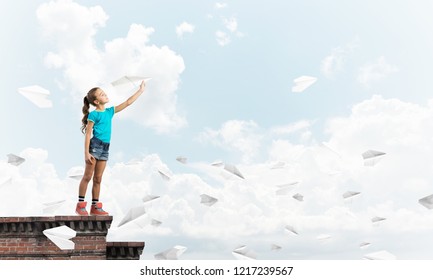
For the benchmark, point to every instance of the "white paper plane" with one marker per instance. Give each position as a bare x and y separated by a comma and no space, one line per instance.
76,173
15,160
298,197
285,189
51,207
149,198
164,176
37,95
323,237
60,236
303,82
133,214
291,230
5,180
243,253
380,255
217,163
364,245
234,170
350,194
377,219
278,165
372,157
171,254
130,80
181,159
275,247
207,200
427,201
155,223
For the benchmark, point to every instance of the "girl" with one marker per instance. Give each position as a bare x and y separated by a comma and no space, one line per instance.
98,123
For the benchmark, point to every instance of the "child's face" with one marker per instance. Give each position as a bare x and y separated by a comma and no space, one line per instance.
101,97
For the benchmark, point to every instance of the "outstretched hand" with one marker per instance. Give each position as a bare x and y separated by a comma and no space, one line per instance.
142,86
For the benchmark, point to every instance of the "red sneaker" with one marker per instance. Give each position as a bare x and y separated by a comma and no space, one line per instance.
81,208
96,210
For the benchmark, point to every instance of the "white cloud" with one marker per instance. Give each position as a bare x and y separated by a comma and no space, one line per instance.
291,128
184,27
375,71
220,5
231,24
73,28
222,38
335,62
235,135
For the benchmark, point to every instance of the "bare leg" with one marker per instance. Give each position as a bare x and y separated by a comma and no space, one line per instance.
88,173
97,178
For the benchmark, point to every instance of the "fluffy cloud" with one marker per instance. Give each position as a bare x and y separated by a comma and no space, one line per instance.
73,27
249,211
222,38
184,27
335,62
375,71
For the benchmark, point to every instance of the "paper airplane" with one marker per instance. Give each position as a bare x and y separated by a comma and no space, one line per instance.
133,214
243,253
275,247
303,82
37,95
298,197
233,169
155,223
15,160
427,201
291,230
5,180
130,80
76,173
364,245
60,236
171,254
217,163
285,189
51,207
323,237
377,219
149,198
164,176
207,200
349,194
372,157
181,159
380,255
278,165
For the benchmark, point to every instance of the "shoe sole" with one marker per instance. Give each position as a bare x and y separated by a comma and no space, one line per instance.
81,214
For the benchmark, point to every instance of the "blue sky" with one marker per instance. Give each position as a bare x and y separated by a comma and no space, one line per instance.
221,90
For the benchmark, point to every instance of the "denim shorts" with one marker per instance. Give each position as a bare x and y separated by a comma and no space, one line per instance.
99,149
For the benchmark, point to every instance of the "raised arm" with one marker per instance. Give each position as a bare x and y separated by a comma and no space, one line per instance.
131,99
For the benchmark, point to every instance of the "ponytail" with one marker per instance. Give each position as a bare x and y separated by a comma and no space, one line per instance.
85,110
88,99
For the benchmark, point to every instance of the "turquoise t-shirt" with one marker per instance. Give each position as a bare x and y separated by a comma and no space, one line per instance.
102,123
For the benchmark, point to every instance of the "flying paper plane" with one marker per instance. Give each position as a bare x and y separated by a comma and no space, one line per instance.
181,159
60,236
303,82
15,160
275,247
233,169
155,223
380,255
37,95
76,173
298,197
243,253
171,254
208,200
323,237
217,163
350,194
51,207
133,214
164,175
364,245
377,219
285,189
130,80
149,198
427,201
372,157
291,230
278,165
5,180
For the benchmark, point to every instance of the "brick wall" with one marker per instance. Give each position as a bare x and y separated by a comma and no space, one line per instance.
21,238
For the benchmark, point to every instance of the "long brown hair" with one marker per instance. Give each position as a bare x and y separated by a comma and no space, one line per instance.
88,99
